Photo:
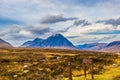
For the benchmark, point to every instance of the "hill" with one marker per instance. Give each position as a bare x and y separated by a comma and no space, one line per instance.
4,44
112,47
92,46
107,47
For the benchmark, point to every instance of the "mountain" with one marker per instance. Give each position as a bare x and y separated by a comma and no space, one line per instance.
35,43
57,41
92,46
54,41
4,44
114,43
112,47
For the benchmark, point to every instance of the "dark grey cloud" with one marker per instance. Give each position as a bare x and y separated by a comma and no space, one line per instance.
114,22
100,21
38,30
72,37
64,30
81,22
11,30
75,24
50,19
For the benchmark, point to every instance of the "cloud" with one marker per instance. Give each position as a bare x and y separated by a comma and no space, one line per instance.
75,24
72,37
81,22
96,32
17,33
96,28
114,22
50,19
38,29
7,31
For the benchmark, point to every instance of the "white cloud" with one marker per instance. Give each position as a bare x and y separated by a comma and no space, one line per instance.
85,35
25,33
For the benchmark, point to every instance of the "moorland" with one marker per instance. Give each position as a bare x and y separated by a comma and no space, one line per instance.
52,64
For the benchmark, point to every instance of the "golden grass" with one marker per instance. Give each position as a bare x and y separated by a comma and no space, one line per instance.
44,60
110,74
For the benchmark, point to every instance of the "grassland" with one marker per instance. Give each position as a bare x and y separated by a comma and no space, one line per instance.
52,64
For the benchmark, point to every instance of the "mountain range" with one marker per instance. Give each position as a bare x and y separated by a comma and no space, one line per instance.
54,41
59,41
92,46
112,47
108,47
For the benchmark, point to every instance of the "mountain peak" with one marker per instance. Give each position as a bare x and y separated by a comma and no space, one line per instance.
37,39
57,35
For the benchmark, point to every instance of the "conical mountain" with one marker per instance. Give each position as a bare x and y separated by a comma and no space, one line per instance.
54,41
57,41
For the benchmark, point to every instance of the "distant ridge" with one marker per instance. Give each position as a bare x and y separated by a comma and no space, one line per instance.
114,43
4,44
54,41
92,46
108,47
113,47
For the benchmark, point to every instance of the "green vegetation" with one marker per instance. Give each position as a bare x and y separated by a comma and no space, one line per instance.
52,64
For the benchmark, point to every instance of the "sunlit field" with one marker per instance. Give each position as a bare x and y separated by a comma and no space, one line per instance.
52,64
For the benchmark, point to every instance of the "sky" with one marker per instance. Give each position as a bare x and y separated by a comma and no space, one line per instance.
80,21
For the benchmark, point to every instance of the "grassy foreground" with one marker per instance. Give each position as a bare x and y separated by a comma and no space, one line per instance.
111,74
52,64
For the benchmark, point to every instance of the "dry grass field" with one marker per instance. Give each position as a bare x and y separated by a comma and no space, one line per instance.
52,64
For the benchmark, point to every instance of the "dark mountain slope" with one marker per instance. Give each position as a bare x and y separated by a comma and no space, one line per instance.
54,41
